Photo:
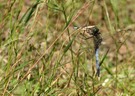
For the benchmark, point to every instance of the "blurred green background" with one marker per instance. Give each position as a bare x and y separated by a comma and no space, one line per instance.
42,51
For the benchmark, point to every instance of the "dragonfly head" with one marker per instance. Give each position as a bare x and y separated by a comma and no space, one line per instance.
94,31
91,30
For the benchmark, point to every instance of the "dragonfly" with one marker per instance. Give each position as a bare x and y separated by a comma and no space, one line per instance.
94,32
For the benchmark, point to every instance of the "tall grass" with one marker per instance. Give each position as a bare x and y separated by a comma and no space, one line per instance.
42,54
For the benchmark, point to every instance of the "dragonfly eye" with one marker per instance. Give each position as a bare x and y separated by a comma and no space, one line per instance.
95,31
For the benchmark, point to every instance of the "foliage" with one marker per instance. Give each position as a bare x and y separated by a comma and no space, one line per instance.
42,54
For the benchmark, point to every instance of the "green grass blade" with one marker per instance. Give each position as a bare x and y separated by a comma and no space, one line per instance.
103,58
27,16
69,45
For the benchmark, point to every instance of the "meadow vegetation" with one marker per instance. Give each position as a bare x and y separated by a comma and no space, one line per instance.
43,51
